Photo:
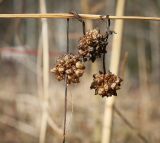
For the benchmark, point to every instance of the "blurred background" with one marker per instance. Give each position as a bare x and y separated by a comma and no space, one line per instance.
22,76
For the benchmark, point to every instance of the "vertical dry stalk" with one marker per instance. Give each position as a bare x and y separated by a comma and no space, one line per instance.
115,56
143,79
45,73
38,67
123,65
155,52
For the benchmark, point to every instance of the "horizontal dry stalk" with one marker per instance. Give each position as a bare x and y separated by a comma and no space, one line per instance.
67,15
19,125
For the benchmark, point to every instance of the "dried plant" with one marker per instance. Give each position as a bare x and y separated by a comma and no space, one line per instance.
70,65
93,44
106,84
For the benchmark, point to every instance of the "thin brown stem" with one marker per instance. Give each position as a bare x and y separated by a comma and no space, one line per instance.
104,62
65,111
65,102
79,18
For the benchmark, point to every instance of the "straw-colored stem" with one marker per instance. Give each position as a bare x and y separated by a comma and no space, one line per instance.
144,96
45,73
114,65
67,15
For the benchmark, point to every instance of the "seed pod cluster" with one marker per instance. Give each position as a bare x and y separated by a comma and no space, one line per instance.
93,44
106,84
69,65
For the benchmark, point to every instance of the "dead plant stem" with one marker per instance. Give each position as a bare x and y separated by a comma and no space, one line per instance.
84,16
66,90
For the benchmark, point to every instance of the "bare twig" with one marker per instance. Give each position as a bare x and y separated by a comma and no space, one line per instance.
126,121
67,15
58,130
123,65
54,126
139,135
21,126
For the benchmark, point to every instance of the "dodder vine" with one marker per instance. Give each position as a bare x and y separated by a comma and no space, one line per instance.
70,67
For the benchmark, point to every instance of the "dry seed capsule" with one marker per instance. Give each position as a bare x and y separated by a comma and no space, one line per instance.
59,78
106,87
61,69
79,72
68,71
75,80
101,91
66,57
54,70
62,62
113,85
80,65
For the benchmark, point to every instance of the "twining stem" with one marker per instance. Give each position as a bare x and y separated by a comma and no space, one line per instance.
65,102
104,66
65,111
79,18
84,27
104,54
68,35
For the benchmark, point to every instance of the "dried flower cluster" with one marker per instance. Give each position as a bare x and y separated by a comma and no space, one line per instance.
93,44
69,65
106,84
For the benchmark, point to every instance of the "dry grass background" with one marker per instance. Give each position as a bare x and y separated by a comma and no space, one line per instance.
84,123
21,105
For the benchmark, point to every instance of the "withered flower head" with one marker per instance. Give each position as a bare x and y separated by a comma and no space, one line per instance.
106,84
93,44
69,65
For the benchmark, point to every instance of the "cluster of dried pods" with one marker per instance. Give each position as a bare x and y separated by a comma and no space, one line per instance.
69,65
106,84
91,46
